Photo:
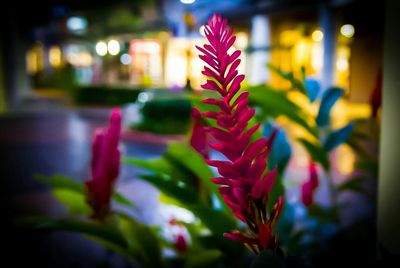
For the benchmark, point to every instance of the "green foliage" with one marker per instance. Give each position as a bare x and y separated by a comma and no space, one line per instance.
104,95
72,194
274,103
74,201
142,242
317,153
203,259
354,184
106,234
165,116
268,259
182,174
289,76
324,214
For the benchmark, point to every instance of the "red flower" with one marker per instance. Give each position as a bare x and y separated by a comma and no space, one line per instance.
105,166
309,186
181,244
244,182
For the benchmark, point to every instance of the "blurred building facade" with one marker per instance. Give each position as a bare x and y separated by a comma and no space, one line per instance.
151,44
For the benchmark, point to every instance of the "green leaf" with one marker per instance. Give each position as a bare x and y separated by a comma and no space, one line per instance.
329,99
142,242
324,214
267,259
59,181
172,188
105,234
370,166
354,184
193,161
275,103
203,259
338,137
159,165
64,186
317,153
217,222
277,190
119,198
75,202
289,76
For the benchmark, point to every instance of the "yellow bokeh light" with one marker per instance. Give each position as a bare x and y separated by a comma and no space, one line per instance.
55,58
347,30
101,48
317,36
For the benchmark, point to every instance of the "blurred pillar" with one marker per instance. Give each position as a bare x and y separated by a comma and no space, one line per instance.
260,42
2,78
13,49
389,181
327,24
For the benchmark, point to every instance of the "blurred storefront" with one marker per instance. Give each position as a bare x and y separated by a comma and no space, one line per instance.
322,39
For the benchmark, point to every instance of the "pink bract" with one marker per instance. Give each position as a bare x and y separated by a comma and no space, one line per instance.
244,181
105,166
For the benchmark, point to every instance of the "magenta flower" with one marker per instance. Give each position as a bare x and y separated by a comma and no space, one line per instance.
309,186
105,166
198,139
244,182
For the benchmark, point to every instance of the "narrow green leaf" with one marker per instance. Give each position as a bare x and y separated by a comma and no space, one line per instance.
142,242
158,165
275,103
75,201
59,181
105,234
119,198
217,222
317,153
289,76
203,259
355,184
172,188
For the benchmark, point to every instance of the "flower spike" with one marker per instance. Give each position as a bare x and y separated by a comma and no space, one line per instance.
105,166
244,182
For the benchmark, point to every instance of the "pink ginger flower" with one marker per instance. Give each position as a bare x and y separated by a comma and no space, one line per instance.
198,139
105,166
244,182
309,186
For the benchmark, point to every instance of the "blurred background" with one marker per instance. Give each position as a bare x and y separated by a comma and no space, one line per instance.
65,63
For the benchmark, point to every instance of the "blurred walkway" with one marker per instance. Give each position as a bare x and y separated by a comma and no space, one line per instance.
46,137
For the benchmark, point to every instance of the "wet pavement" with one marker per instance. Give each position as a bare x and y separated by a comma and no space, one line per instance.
51,140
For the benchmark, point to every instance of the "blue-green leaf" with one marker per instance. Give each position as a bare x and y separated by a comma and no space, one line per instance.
281,150
329,99
338,137
313,88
